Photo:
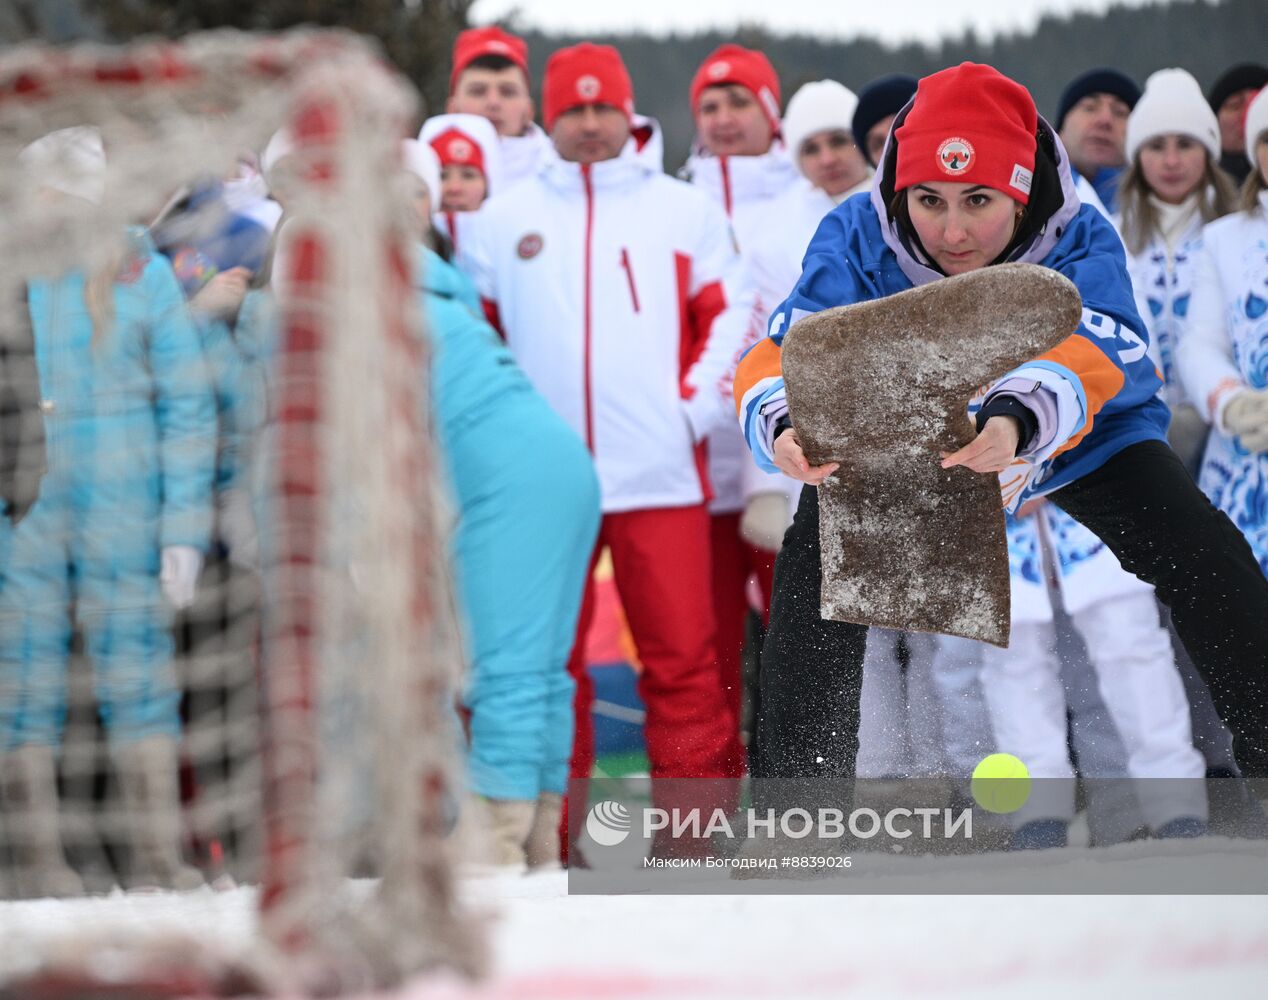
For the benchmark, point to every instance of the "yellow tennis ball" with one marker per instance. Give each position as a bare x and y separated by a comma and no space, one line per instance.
1001,783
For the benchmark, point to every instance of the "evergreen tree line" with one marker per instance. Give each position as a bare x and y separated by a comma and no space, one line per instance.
1202,36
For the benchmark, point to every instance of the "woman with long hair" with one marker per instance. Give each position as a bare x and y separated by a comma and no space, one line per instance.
1223,358
1172,187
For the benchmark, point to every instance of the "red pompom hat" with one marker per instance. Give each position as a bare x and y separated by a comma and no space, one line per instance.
476,42
972,125
455,148
747,67
585,74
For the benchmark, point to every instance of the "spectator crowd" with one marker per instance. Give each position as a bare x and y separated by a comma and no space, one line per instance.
588,310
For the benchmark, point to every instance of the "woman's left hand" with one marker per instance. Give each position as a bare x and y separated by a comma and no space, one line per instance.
991,451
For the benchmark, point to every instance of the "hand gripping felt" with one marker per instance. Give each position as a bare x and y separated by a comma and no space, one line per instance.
883,387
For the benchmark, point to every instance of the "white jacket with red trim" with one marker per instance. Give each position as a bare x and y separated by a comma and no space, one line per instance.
745,186
617,289
523,155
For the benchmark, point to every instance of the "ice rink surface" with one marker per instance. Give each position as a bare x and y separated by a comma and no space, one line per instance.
894,939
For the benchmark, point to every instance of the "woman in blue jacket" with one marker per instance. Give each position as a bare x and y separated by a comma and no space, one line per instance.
971,177
528,516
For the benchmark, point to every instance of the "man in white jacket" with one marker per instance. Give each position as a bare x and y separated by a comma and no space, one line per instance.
741,163
616,289
490,79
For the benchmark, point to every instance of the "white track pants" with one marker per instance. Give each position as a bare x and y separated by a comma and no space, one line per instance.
1136,673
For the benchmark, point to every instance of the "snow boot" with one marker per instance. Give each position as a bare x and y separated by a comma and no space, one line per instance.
510,821
149,779
541,849
28,781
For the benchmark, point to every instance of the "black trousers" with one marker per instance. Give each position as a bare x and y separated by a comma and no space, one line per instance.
1143,505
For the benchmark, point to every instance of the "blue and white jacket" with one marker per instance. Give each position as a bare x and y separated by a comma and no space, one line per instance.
1092,395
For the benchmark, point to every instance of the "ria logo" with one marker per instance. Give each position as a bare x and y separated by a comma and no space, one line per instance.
608,823
955,155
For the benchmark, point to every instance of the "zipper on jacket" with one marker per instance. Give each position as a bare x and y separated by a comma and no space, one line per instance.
629,276
589,399
725,167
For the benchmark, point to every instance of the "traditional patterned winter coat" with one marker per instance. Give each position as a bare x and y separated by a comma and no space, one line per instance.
1164,283
1225,351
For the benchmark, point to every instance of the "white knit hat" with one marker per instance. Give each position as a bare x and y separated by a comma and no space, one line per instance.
71,160
818,107
421,160
1172,104
1256,124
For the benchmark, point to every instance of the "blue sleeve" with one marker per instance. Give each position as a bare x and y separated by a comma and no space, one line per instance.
185,411
227,372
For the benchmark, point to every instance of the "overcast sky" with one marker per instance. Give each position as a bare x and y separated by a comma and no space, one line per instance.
888,20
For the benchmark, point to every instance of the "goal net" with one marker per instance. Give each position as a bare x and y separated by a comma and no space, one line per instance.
227,646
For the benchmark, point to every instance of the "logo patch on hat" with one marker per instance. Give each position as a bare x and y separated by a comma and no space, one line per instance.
588,87
718,70
460,149
529,246
1021,178
955,155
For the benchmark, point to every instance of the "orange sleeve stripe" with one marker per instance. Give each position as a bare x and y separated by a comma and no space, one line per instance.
759,363
1101,378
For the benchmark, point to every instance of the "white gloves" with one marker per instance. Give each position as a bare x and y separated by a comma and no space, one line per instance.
179,574
765,519
1246,417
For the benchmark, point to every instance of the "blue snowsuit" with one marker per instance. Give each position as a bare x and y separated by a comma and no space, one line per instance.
131,428
529,515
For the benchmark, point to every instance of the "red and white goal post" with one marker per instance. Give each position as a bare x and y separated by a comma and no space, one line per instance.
318,743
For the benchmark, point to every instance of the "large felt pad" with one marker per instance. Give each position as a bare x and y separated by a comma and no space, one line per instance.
883,387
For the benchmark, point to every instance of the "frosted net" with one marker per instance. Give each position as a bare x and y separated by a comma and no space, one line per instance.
291,727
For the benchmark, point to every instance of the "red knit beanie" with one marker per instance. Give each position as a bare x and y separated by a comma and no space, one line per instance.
456,148
476,42
585,74
747,67
972,125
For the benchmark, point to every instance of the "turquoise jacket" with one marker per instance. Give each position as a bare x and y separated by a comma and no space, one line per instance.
130,418
472,369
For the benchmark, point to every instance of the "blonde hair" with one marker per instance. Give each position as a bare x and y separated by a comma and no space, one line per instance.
1216,198
99,294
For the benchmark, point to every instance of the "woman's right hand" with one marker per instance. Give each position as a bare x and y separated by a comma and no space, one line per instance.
792,461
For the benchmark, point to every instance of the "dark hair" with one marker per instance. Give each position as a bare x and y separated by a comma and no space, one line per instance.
1046,197
440,242
491,61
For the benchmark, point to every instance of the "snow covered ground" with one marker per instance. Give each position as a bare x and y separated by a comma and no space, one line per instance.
548,945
